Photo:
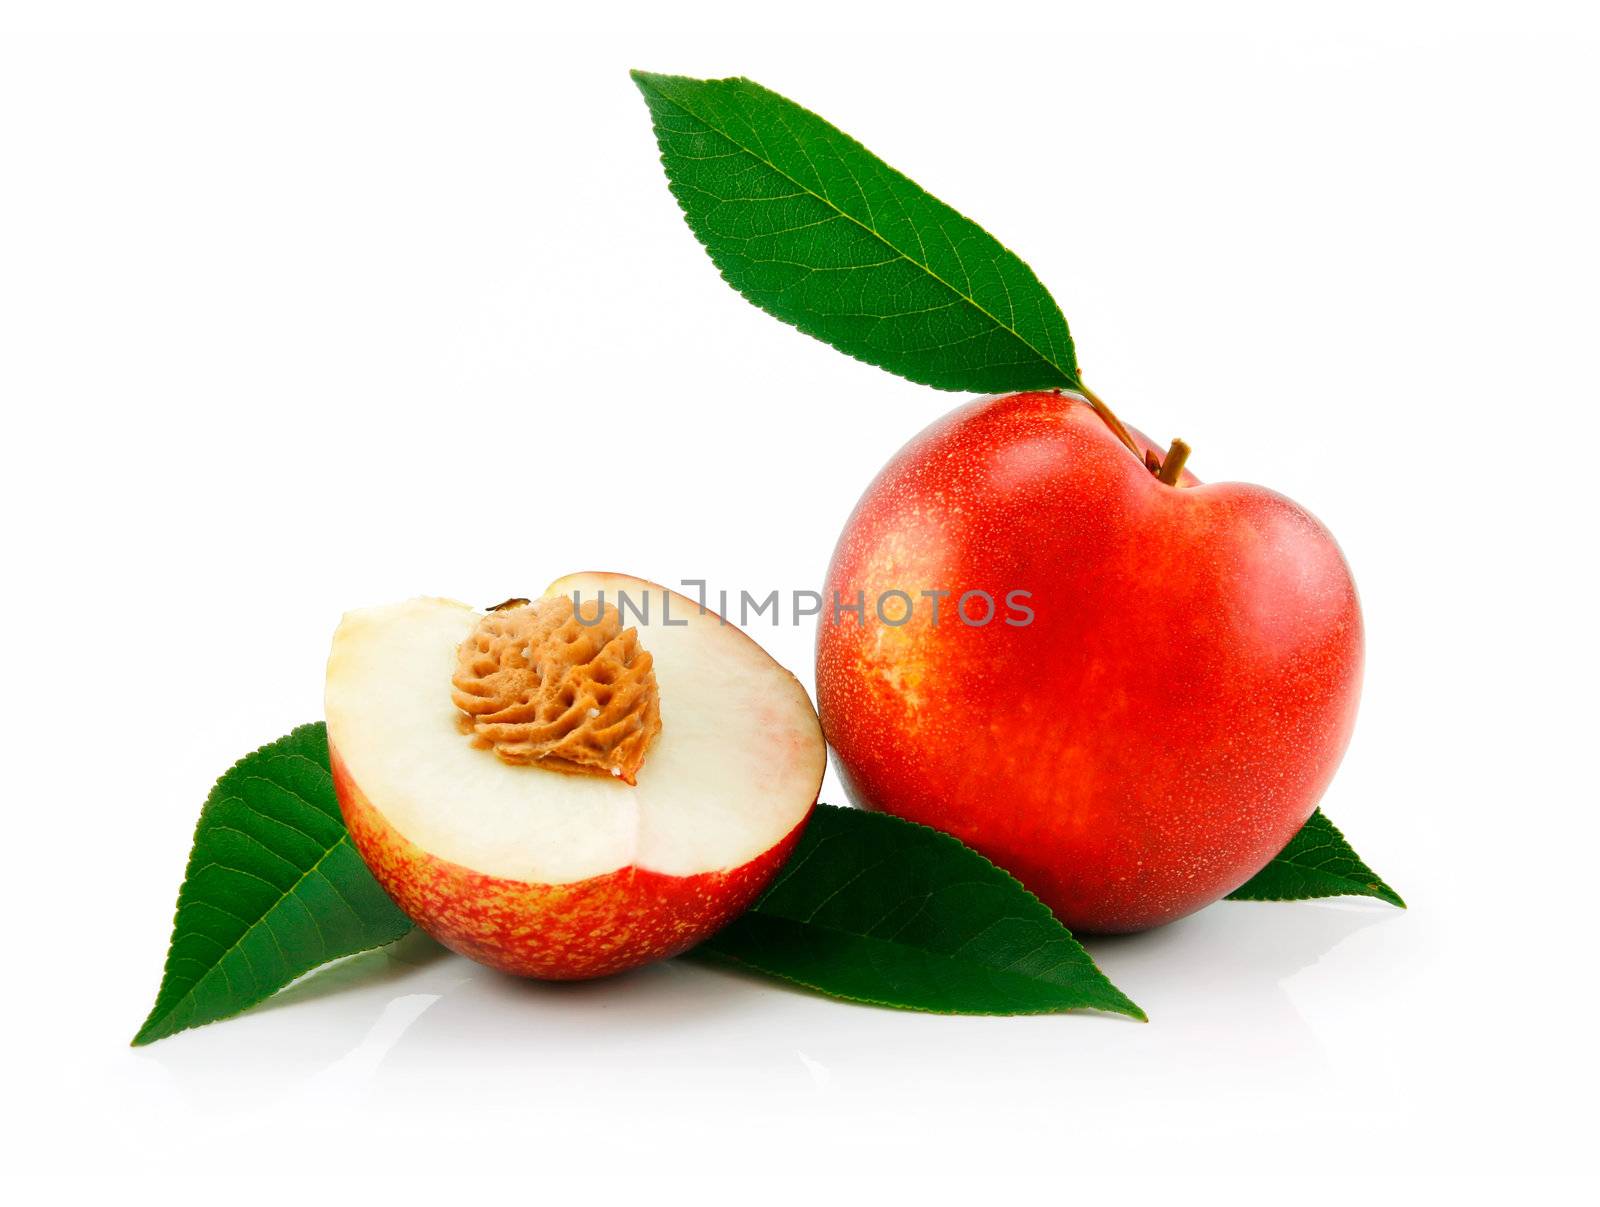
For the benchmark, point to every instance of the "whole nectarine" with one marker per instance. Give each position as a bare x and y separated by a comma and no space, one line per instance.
1135,690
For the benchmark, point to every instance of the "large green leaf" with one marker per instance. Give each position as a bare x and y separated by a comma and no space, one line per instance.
813,228
879,910
1318,862
273,889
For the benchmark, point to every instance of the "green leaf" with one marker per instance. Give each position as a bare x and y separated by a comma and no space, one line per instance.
879,910
1318,862
273,889
813,228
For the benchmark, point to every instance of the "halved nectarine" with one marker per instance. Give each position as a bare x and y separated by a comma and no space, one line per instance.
508,828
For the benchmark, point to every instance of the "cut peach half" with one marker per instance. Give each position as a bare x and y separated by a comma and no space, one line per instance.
507,829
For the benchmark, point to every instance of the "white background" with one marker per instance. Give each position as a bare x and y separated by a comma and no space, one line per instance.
297,318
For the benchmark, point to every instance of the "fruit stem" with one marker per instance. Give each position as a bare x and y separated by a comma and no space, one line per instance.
1172,463
1109,418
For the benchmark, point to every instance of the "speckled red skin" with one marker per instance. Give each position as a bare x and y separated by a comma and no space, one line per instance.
564,932
1171,716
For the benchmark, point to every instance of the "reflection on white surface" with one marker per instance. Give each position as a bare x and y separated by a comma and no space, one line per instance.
351,1071
385,1022
439,1057
1274,1027
820,1076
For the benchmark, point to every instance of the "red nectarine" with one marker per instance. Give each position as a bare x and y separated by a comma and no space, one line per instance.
1165,720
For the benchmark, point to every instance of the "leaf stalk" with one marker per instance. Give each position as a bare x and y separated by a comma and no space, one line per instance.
1109,417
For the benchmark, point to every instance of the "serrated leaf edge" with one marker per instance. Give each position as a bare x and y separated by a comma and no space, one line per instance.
1134,1011
152,1023
1377,889
711,956
150,1031
1068,379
